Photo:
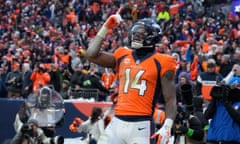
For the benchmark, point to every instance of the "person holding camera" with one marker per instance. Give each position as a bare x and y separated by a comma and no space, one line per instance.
188,128
224,112
188,125
33,122
40,77
30,132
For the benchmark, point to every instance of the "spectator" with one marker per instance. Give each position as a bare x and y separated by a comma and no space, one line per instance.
234,72
225,65
14,81
64,57
64,92
184,79
108,77
40,77
164,15
27,83
93,81
206,80
55,77
3,88
64,72
76,81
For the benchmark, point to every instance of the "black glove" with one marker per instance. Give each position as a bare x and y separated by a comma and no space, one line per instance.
181,130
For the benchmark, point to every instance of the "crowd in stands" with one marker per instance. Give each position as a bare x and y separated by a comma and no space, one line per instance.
43,42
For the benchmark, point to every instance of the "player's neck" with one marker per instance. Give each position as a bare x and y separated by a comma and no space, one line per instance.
143,52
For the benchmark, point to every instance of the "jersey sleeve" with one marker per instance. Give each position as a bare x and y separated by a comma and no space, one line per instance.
168,63
118,53
121,51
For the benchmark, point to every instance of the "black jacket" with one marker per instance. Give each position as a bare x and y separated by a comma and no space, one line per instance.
14,81
27,82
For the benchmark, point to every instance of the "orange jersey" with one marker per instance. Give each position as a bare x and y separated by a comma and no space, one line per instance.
140,81
108,79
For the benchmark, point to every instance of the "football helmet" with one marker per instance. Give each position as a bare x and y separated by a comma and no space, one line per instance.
144,33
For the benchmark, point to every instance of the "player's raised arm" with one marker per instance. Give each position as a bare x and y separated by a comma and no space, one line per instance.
93,52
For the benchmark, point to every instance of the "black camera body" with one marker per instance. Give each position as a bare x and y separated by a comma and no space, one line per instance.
220,92
182,116
27,130
225,92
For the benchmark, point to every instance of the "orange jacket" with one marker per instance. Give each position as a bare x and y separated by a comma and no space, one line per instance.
108,79
40,79
64,58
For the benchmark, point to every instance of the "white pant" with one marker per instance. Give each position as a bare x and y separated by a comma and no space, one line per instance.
124,132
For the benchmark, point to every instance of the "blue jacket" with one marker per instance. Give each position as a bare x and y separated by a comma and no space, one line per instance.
222,127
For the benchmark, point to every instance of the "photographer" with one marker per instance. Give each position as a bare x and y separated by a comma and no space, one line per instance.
32,120
40,77
188,126
26,131
32,133
224,114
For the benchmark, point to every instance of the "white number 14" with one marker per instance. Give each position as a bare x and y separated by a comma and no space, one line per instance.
136,83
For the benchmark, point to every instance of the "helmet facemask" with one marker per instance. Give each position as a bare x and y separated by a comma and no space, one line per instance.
137,36
144,34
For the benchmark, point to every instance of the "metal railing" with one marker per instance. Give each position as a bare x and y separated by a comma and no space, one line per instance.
85,93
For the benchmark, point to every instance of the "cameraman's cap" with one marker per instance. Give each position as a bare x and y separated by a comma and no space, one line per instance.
211,63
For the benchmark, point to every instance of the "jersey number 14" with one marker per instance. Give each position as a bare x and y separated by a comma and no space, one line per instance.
136,83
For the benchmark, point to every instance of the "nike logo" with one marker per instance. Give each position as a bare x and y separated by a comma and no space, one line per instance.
141,128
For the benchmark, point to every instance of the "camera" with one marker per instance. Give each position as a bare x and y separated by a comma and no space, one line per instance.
218,92
225,92
187,95
181,116
27,130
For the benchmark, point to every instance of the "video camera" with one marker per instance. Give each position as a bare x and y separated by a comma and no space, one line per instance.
226,92
220,91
